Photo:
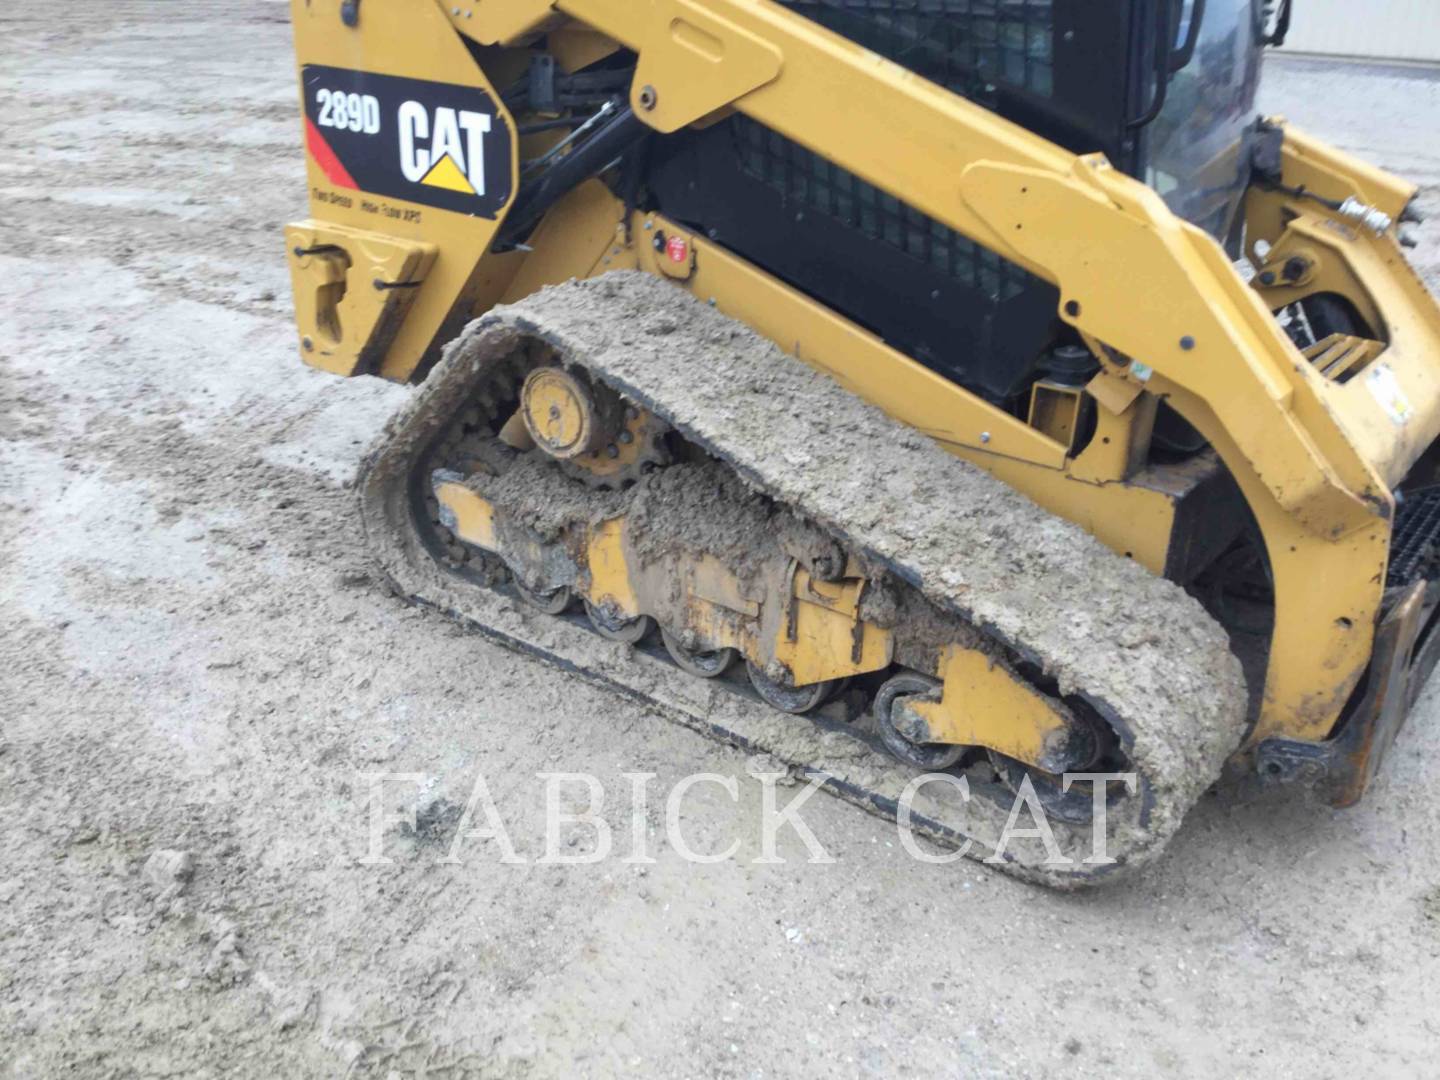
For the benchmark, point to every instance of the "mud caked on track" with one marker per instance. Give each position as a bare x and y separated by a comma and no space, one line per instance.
793,454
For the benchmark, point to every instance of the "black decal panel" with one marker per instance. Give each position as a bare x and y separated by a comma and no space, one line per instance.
437,144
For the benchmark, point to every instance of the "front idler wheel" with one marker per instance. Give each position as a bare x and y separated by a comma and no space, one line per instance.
1075,807
1094,749
609,623
789,699
703,664
896,724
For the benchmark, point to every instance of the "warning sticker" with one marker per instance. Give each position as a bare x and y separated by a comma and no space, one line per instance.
1385,388
434,143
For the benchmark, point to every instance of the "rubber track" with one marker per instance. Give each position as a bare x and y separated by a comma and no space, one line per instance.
1137,646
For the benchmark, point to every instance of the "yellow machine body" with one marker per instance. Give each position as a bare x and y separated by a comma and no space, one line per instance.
1316,444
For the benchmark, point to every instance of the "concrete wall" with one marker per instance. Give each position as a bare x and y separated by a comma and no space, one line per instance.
1390,29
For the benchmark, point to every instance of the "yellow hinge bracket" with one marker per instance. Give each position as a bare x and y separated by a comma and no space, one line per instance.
353,289
500,22
694,62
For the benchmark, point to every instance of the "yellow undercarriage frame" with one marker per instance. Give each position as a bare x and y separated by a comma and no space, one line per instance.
1316,444
806,631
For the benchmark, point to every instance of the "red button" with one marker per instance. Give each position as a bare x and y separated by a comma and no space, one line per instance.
678,249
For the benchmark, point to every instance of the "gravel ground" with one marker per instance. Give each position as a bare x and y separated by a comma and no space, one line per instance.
193,659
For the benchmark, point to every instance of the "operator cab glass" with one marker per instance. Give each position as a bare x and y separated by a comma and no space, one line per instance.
1164,88
1196,151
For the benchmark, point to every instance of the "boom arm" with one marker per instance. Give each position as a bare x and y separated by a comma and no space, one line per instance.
1164,294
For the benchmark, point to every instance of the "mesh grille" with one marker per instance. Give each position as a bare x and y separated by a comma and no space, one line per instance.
1415,540
960,44
808,179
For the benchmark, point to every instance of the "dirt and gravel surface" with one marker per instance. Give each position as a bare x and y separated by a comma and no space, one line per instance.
197,673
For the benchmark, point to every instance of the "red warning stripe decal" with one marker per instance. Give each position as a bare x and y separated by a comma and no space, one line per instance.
325,157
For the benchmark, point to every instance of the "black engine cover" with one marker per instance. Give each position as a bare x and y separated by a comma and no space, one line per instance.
954,306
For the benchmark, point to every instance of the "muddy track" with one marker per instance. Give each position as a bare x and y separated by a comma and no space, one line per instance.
1138,647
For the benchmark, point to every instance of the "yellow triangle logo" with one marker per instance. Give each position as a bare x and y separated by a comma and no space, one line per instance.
446,174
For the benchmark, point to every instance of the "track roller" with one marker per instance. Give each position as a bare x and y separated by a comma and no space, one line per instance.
701,663
616,627
553,602
891,723
790,699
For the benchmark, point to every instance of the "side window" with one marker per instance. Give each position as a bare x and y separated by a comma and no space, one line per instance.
804,177
1182,25
964,45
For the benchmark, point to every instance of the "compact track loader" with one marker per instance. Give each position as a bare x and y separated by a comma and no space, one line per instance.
981,378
